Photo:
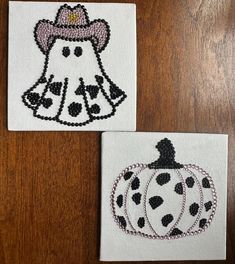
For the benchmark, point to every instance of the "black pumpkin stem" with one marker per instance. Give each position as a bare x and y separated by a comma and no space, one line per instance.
166,159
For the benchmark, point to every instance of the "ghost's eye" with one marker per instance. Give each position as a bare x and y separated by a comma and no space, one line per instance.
66,51
78,51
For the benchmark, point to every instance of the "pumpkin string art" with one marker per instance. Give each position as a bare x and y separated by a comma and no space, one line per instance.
163,199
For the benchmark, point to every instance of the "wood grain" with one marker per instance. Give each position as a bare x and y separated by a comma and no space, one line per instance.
50,181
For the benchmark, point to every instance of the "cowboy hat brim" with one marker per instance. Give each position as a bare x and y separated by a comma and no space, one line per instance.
46,31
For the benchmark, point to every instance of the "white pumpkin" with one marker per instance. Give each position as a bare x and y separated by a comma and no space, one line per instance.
163,199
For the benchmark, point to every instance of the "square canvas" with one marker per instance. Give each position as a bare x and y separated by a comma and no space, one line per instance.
163,196
72,66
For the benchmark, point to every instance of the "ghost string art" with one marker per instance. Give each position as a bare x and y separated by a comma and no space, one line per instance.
74,88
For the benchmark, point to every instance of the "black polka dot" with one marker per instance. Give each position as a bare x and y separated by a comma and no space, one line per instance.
79,90
95,109
93,91
75,109
175,232
66,51
78,51
115,92
190,182
47,102
135,184
55,88
122,221
155,201
141,222
136,198
179,188
193,209
119,200
205,183
128,175
208,206
33,98
167,219
163,178
202,222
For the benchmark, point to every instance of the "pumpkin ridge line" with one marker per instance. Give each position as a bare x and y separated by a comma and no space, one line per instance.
145,203
183,204
201,200
125,197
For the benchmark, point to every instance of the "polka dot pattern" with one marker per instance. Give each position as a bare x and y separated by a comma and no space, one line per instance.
47,102
55,88
167,219
115,92
122,221
179,188
190,182
155,205
208,206
141,222
33,98
163,178
95,109
135,184
155,202
119,200
205,183
74,109
193,209
202,222
136,197
175,232
128,175
93,91
79,90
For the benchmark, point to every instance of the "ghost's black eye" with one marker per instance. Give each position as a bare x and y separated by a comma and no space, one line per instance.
78,51
66,51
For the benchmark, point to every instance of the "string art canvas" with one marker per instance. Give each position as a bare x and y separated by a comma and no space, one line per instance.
71,66
163,196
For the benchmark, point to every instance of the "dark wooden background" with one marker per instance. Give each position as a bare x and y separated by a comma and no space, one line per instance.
50,181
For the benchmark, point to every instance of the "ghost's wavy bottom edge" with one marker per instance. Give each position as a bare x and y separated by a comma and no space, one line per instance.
56,119
74,124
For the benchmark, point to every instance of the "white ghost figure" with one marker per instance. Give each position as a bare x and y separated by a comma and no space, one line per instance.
74,88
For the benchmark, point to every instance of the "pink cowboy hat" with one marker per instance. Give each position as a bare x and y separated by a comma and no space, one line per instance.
72,23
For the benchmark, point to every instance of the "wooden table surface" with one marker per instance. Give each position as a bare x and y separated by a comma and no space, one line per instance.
50,181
